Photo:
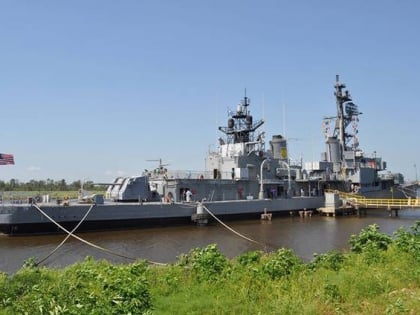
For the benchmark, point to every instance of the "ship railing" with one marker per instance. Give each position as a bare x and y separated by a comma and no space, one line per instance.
187,174
16,198
11,198
386,202
331,177
364,202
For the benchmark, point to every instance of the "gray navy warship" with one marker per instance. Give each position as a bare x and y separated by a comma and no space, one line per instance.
242,179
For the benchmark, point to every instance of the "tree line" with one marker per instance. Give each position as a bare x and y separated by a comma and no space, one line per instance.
44,185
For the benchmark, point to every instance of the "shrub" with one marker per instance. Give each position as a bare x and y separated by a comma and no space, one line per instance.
281,263
250,258
369,239
33,288
208,263
332,260
108,288
409,242
85,288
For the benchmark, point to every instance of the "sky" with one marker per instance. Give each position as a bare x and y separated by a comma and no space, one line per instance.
92,90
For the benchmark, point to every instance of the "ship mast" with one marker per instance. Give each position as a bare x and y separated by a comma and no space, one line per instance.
347,113
240,127
340,99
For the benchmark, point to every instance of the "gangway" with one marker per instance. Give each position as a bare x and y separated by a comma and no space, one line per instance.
359,202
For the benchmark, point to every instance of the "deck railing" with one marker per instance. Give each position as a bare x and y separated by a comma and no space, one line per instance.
364,202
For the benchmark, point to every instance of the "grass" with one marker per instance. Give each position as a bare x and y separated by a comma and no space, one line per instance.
391,286
380,275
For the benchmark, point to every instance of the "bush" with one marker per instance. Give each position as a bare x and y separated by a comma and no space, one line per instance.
332,260
108,288
281,263
409,242
85,288
250,258
369,239
208,263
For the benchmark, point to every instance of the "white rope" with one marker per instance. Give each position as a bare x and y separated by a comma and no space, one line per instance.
68,236
232,230
89,243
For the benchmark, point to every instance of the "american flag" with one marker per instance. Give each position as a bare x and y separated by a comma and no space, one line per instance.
6,159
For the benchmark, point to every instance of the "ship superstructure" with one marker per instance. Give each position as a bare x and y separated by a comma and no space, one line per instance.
240,153
242,157
241,168
344,165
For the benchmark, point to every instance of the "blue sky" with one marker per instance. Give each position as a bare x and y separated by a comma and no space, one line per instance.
94,89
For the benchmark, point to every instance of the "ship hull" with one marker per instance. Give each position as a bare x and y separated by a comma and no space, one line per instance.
27,219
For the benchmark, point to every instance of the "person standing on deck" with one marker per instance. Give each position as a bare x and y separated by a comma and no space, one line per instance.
188,195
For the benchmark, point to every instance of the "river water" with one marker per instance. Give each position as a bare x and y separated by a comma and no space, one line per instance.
305,236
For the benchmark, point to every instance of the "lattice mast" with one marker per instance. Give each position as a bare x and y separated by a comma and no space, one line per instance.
241,127
347,114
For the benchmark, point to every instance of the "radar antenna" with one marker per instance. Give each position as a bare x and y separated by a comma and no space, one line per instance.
241,127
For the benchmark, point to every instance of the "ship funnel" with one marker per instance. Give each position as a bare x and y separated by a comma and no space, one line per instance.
279,147
333,150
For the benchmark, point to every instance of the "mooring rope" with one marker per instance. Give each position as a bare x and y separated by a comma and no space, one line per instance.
90,243
67,237
233,231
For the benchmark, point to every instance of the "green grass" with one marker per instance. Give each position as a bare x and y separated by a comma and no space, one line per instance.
380,275
388,287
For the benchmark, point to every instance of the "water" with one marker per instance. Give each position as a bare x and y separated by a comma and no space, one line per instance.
305,236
